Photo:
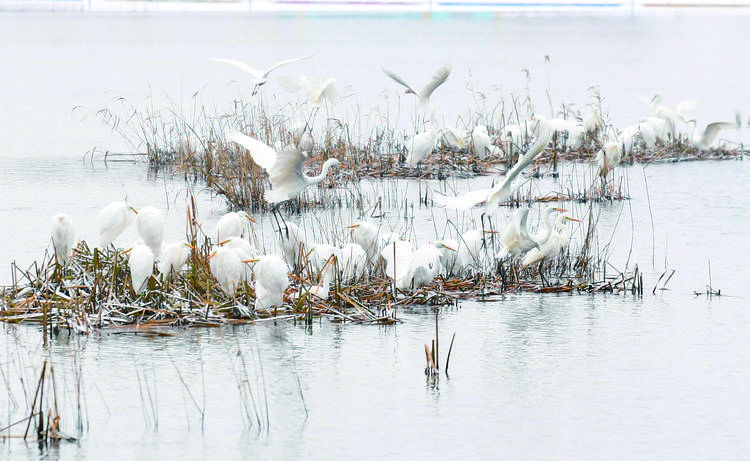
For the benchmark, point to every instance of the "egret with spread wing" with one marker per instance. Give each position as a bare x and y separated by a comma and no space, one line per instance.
260,77
284,167
424,94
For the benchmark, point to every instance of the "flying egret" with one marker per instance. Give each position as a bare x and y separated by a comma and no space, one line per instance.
63,237
141,265
271,280
424,94
174,256
150,224
497,194
227,268
701,140
260,77
318,91
113,219
234,223
284,168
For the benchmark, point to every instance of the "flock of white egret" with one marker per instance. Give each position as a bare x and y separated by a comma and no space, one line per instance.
235,260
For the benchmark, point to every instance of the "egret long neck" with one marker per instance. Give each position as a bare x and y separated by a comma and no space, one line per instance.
323,172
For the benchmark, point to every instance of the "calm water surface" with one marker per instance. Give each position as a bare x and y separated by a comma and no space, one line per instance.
532,377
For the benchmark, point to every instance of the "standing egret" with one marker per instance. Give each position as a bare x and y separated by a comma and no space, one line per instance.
515,237
420,146
174,256
398,255
260,77
607,158
271,280
150,224
365,234
550,248
453,137
423,267
284,168
424,94
497,194
352,262
233,224
245,250
291,241
228,268
448,255
63,237
482,143
113,219
141,265
672,116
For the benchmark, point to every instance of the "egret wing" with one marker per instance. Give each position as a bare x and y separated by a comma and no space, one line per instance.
283,63
286,176
241,65
712,130
262,153
438,79
397,79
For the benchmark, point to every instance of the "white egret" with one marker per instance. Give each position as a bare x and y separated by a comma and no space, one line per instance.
174,256
150,224
420,146
497,194
365,234
554,244
113,219
423,267
701,140
398,255
271,280
284,168
318,90
233,224
448,255
291,241
320,254
515,238
482,143
672,116
260,77
227,268
607,158
245,250
63,237
141,265
453,137
352,262
470,247
424,94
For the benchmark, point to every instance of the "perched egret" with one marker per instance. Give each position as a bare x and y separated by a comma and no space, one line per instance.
233,224
607,158
228,268
174,256
502,191
423,267
113,219
271,280
260,77
672,116
245,250
424,94
470,247
150,224
398,255
701,140
320,254
284,167
318,91
63,237
453,137
141,264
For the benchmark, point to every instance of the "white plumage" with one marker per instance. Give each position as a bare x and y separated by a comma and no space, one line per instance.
271,280
63,237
